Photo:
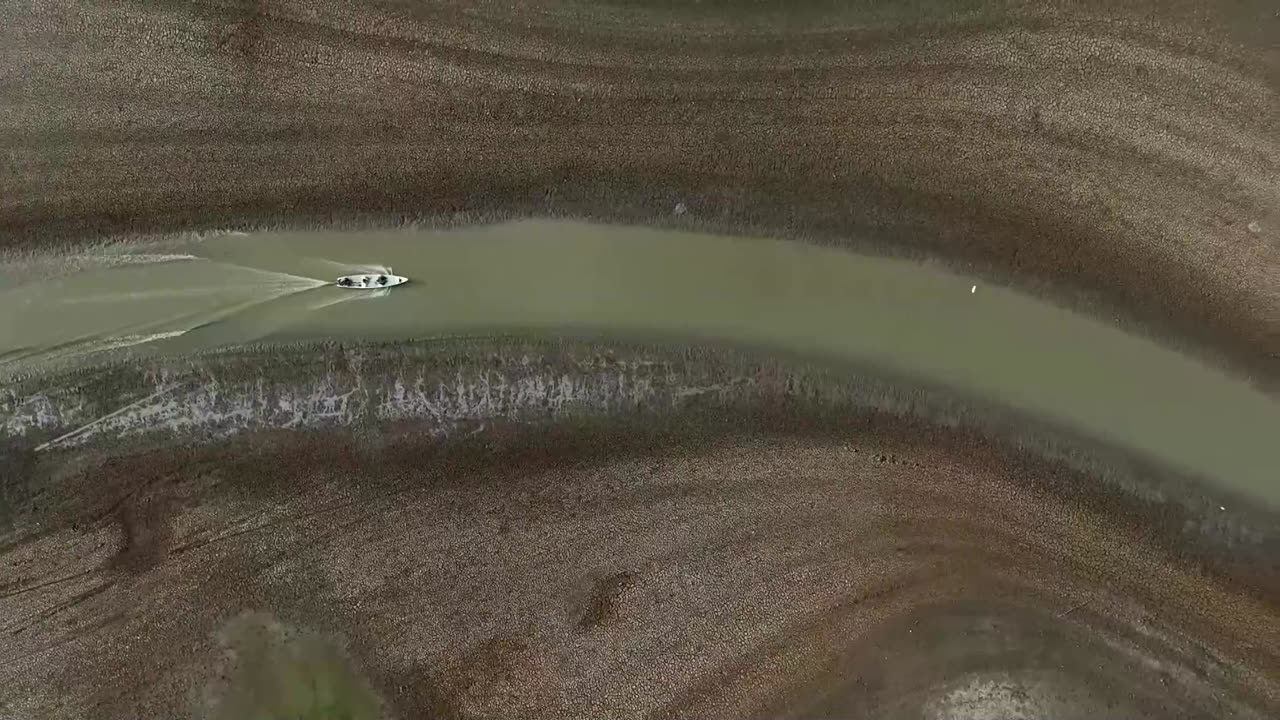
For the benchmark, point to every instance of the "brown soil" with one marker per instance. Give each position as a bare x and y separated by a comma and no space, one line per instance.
1122,158
882,574
606,595
1125,159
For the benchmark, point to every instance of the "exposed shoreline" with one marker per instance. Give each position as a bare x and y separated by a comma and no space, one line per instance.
474,393
1260,369
915,522
1006,148
557,526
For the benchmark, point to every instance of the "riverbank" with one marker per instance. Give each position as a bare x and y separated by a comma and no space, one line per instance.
634,284
487,389
704,477
485,524
1062,150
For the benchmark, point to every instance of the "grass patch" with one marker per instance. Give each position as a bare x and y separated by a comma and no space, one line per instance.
276,673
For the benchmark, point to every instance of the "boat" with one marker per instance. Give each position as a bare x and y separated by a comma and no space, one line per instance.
370,281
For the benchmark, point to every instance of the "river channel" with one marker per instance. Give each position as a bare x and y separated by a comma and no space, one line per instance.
532,276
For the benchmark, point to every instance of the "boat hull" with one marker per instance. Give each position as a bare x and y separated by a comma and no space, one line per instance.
370,281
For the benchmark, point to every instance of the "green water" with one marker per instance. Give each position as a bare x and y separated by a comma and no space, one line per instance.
911,318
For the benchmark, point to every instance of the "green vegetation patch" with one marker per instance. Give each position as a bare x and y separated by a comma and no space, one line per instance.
273,672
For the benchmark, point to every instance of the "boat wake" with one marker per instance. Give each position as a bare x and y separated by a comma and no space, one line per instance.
283,287
349,297
22,270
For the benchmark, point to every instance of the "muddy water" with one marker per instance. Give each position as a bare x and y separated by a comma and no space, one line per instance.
913,318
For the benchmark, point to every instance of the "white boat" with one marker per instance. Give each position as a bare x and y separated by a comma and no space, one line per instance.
370,281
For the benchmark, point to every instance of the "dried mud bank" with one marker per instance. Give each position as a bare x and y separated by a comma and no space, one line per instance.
521,529
496,395
1124,159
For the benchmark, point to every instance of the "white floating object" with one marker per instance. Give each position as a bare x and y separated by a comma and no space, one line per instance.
973,289
370,281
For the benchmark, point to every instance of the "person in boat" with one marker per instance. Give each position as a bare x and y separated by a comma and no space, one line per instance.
382,279
344,281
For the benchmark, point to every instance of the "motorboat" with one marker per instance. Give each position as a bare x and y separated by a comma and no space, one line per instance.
370,281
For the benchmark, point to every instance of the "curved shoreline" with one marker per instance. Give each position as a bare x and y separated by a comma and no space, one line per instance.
763,496
1053,150
1257,365
637,283
487,393
890,513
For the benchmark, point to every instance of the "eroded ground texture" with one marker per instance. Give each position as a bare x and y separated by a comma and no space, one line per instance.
556,529
1125,157
565,530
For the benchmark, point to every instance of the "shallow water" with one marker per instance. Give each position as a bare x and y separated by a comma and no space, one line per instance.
913,318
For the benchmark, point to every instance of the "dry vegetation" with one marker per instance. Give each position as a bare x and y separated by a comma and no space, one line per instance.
804,547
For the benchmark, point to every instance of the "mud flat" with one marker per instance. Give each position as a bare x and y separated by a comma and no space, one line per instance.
560,529
1122,159
903,520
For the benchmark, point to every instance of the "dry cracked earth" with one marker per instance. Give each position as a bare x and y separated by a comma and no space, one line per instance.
1120,159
